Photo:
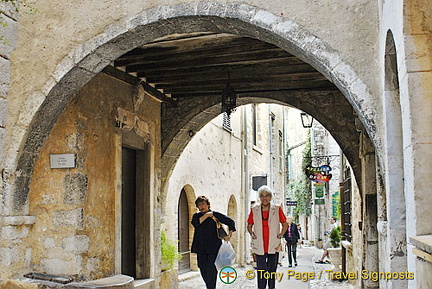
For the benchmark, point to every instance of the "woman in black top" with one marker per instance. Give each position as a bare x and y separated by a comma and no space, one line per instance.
205,241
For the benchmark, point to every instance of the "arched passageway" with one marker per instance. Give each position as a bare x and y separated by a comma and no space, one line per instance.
333,108
313,81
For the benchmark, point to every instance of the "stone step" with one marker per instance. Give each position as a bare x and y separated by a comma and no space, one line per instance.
144,284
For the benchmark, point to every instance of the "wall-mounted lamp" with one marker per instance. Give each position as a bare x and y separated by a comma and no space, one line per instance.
306,120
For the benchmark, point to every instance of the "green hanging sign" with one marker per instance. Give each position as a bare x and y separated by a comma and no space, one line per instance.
336,205
319,201
319,190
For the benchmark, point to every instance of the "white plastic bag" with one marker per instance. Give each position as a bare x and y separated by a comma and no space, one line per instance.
226,255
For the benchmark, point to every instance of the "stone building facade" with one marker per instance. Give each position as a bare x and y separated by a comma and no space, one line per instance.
377,55
227,163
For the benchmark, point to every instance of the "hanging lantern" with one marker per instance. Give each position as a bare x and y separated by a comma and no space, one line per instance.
229,98
306,120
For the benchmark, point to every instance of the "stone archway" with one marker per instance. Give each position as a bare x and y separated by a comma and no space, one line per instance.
89,58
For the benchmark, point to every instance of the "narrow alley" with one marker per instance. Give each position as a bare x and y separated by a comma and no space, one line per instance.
305,269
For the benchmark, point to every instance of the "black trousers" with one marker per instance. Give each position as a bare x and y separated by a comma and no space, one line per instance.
208,269
268,263
292,252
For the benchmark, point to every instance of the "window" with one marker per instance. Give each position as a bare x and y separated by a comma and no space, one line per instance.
258,181
226,122
254,124
346,207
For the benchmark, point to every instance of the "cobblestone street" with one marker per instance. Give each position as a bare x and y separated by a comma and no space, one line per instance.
306,267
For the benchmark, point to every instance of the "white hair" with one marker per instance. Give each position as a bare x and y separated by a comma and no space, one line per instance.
265,189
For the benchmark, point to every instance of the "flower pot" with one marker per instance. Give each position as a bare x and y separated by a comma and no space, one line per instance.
336,257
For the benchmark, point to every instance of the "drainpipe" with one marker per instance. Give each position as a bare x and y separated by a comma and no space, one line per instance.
245,175
271,118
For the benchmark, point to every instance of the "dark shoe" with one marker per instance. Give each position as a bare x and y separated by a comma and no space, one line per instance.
290,265
320,262
295,263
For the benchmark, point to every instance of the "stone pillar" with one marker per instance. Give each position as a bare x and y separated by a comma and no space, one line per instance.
14,229
15,258
370,210
9,17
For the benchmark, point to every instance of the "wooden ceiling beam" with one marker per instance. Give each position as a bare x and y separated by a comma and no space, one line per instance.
260,92
221,79
245,57
186,44
307,84
269,67
213,51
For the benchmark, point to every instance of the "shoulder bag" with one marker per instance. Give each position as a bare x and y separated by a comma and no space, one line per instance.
221,233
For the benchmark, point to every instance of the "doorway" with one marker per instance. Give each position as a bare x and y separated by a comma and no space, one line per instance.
128,203
183,232
135,213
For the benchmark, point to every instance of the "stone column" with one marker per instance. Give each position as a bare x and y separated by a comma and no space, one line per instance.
370,210
9,17
14,229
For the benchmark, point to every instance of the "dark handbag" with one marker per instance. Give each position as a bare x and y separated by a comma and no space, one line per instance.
221,233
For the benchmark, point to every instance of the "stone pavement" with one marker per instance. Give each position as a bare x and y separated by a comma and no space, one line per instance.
313,275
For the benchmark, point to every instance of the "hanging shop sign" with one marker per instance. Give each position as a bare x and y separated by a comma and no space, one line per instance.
319,201
291,203
319,190
319,174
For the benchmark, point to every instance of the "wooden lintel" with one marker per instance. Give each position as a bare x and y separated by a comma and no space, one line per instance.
157,94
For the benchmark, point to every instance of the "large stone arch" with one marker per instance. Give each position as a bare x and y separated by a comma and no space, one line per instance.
89,58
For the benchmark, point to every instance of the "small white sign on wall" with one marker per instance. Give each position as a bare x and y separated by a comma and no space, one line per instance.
62,161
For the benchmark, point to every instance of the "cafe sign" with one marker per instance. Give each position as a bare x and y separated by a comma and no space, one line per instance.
319,174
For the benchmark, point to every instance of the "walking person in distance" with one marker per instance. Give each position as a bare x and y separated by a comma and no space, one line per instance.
292,237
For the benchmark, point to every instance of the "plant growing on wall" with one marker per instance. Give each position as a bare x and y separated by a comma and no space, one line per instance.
335,237
170,254
302,188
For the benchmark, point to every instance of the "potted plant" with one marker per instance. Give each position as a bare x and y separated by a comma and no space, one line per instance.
170,255
336,252
335,237
169,251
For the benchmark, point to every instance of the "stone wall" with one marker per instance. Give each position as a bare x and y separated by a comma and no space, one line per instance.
8,16
74,229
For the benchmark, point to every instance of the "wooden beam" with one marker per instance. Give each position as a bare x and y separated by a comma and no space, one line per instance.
221,79
132,80
247,86
158,95
262,92
246,57
269,65
121,75
172,54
